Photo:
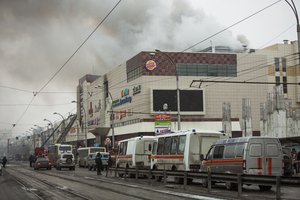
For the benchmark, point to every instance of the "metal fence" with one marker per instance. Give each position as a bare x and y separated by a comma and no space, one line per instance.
186,176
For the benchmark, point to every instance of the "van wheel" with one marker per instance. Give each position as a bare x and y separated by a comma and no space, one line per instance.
231,186
265,187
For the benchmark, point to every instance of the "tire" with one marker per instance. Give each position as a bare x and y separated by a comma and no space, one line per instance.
265,187
69,161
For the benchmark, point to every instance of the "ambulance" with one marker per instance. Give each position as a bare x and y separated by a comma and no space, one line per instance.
245,155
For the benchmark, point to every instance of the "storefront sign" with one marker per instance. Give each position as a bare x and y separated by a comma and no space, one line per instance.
136,89
150,65
125,98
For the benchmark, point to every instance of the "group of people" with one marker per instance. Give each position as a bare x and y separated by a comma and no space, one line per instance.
99,165
296,160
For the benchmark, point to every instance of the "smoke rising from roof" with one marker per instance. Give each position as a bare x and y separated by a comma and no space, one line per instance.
37,37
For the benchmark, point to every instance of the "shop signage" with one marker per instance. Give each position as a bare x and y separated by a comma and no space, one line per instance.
150,65
136,89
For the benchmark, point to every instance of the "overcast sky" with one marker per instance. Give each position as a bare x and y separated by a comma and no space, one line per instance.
38,36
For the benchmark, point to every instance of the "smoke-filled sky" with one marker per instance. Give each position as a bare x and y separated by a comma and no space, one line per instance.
38,36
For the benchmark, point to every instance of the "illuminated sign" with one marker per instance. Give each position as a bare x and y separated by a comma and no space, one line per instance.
150,65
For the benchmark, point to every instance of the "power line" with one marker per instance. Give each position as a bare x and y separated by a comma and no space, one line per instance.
56,73
217,33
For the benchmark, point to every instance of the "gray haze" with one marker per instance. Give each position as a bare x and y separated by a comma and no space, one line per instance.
38,36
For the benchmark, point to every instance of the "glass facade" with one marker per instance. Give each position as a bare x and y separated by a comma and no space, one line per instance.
207,70
134,74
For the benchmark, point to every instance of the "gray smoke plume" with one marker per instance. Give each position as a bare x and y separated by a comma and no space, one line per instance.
37,37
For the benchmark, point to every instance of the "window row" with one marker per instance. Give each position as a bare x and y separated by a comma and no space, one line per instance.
171,145
206,70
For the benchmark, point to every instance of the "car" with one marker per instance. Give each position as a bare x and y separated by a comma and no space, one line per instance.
91,160
42,162
66,160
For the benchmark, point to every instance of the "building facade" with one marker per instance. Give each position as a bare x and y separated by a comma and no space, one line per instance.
140,96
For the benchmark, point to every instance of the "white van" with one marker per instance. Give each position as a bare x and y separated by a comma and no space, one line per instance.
135,152
245,155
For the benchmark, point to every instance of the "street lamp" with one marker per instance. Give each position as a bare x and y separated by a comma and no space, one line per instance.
177,89
63,121
52,127
84,124
293,7
111,118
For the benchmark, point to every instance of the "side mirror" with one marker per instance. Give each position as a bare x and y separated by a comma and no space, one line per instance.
201,157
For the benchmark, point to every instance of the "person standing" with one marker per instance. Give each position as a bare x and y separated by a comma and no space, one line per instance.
98,162
298,162
31,160
294,158
4,161
109,164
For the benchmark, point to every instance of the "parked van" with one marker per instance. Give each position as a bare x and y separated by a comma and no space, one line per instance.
135,152
245,155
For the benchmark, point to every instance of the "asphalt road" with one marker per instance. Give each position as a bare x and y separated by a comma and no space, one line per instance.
54,184
11,189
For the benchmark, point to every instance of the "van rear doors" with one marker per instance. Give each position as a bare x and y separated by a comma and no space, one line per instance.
263,157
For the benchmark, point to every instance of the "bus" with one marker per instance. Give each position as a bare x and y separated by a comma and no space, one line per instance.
182,150
55,150
135,153
83,153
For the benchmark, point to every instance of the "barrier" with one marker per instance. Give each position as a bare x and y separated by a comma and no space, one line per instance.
239,179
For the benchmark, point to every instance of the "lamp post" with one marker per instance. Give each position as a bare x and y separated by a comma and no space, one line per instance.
40,134
84,123
63,122
50,123
293,7
177,89
111,118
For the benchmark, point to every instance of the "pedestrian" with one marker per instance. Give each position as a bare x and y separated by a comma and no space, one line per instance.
4,161
109,164
31,160
98,162
294,159
298,162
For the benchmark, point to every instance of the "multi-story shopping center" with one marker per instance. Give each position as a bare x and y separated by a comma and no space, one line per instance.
158,92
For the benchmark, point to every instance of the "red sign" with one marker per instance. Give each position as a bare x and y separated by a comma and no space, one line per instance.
163,117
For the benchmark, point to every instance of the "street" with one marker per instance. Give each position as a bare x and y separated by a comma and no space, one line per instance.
19,181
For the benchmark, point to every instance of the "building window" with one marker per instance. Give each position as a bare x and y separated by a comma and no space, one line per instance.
206,70
134,74
284,78
276,64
